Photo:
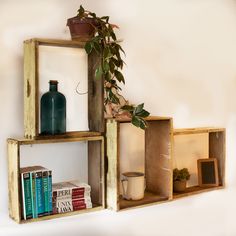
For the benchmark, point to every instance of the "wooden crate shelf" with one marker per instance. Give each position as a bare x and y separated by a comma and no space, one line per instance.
31,86
95,173
216,149
158,170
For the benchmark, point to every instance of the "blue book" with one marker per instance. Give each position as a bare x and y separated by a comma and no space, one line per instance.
39,193
50,208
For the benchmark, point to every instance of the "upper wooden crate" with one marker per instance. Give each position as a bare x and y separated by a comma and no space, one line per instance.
96,178
31,86
214,141
158,169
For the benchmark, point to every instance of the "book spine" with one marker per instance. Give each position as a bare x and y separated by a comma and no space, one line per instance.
33,195
39,193
81,194
27,196
71,192
45,192
67,206
23,196
50,207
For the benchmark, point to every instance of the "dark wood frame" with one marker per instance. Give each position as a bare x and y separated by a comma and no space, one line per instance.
199,162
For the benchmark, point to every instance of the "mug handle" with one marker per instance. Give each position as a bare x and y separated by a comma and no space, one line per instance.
123,188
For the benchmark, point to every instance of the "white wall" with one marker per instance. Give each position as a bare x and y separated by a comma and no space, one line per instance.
181,58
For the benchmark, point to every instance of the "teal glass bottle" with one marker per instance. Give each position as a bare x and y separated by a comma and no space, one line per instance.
53,111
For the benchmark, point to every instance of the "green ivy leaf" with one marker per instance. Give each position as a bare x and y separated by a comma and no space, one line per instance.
128,108
143,113
138,108
136,121
106,66
112,66
143,124
97,47
98,72
88,47
119,76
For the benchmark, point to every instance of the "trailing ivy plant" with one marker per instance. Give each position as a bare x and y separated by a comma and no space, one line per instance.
106,45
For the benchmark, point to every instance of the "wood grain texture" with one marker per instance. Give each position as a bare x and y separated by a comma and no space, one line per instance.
30,89
197,130
55,216
95,96
14,180
195,190
25,141
112,152
158,150
96,171
56,42
217,150
149,198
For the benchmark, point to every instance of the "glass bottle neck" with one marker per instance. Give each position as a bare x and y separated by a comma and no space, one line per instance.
53,87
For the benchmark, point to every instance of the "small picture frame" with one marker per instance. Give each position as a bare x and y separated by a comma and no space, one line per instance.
208,172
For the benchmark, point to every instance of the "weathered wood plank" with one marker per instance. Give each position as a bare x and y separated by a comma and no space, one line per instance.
158,162
14,180
96,171
217,150
195,190
30,89
55,216
95,96
197,130
56,42
112,152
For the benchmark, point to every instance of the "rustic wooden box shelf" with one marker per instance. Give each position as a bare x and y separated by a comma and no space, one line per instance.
158,169
216,149
95,173
32,84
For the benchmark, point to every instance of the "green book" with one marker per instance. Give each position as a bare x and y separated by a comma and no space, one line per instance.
33,194
26,194
45,192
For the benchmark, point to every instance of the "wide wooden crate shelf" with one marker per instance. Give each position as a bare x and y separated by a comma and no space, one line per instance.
158,170
32,82
216,149
95,173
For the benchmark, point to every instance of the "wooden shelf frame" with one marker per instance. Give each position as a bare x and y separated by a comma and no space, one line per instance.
31,86
158,166
96,174
216,150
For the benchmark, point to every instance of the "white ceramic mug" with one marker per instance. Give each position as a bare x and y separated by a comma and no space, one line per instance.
134,187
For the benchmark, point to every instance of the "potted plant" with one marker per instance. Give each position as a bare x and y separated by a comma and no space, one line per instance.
180,177
102,39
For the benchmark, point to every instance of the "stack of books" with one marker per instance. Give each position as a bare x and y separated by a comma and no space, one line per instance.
36,182
70,196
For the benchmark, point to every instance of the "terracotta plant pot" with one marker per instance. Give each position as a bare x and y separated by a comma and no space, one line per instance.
81,29
180,186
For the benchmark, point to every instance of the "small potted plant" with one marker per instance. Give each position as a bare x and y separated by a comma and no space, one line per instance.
101,39
180,178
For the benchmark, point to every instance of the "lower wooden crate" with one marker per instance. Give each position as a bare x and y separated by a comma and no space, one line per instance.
95,174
